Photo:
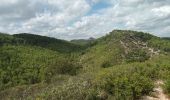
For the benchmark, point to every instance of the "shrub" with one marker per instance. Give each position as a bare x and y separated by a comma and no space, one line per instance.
106,64
137,56
167,86
64,66
124,83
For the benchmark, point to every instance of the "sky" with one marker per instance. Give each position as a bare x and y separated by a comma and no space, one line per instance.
81,19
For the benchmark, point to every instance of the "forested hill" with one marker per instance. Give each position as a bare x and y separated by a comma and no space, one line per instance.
9,39
30,59
40,41
48,42
123,65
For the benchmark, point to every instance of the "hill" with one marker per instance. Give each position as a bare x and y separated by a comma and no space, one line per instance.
48,42
28,59
9,39
122,65
87,42
119,47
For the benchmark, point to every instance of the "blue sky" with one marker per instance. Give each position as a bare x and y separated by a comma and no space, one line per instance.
99,6
75,19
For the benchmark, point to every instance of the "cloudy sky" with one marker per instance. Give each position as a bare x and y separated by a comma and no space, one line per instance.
74,19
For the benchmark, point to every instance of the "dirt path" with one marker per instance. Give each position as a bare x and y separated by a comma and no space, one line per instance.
158,93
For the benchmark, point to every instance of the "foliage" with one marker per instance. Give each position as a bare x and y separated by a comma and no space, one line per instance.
38,67
63,66
167,86
49,43
137,56
29,65
126,83
161,44
8,39
106,64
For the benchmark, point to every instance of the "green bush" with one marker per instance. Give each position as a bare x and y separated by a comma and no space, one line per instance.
106,64
125,82
167,86
64,66
137,56
21,65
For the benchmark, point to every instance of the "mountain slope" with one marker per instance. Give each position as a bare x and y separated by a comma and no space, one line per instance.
121,65
9,39
49,43
25,61
121,47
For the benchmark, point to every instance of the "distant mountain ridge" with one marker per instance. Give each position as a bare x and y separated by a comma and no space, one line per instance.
84,42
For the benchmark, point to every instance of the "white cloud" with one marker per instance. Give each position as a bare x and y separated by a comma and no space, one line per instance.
162,11
5,2
69,19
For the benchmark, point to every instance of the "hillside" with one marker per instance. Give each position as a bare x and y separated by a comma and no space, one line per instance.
25,61
123,65
120,47
86,42
9,39
49,43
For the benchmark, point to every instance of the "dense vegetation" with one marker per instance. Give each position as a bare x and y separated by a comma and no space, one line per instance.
122,65
22,63
49,43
